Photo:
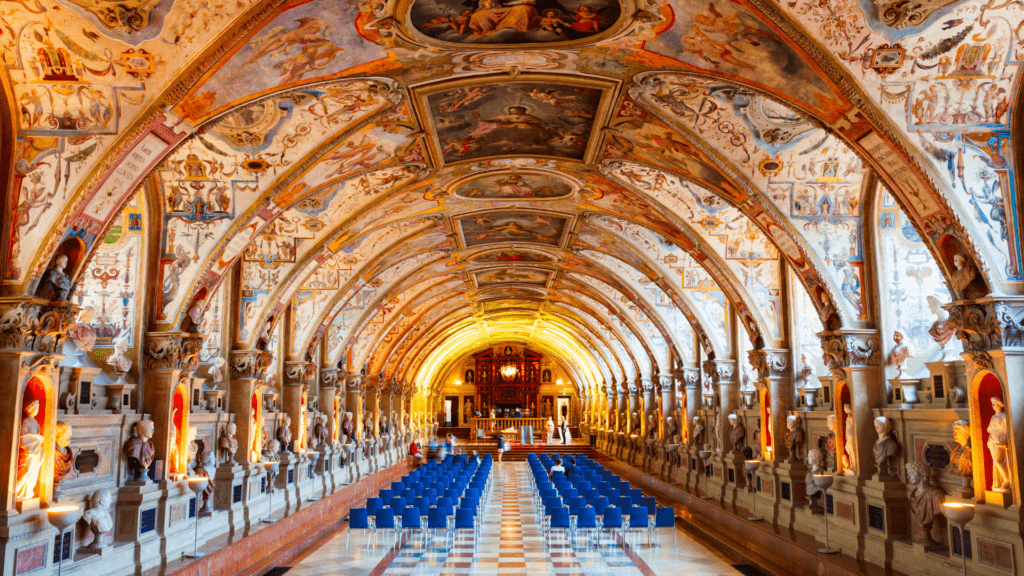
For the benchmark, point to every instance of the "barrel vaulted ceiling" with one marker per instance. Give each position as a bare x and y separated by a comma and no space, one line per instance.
394,184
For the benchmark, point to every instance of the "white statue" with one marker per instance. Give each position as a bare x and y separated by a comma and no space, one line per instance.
697,432
228,443
98,517
83,334
851,451
807,373
30,453
940,331
900,353
119,360
216,371
998,447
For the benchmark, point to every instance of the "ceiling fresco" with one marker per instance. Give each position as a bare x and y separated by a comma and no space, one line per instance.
389,185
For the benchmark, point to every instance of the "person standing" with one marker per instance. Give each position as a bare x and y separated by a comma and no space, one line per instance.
549,428
566,438
501,446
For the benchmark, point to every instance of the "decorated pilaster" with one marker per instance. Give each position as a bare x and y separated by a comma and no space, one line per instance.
854,360
248,370
169,359
775,387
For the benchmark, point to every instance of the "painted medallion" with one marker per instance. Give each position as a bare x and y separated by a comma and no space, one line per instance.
513,21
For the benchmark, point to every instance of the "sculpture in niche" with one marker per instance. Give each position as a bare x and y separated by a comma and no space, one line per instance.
738,433
204,466
62,454
940,330
998,448
55,284
830,444
717,438
886,449
139,451
814,492
794,438
83,334
925,503
270,450
192,449
963,273
173,458
228,443
256,432
368,427
30,453
349,428
903,351
98,518
652,428
635,424
319,435
697,433
671,430
850,443
284,432
961,460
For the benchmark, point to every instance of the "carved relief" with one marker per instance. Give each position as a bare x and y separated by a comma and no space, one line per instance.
250,364
34,325
172,350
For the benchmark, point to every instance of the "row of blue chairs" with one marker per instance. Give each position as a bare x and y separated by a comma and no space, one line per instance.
592,498
446,497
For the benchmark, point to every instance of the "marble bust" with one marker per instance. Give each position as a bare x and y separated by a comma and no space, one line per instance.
925,502
139,451
738,433
886,448
794,438
901,352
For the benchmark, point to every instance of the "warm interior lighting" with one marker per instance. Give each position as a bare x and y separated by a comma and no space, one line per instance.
509,371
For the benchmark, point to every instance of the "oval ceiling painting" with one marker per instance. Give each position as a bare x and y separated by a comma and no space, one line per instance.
527,22
514,186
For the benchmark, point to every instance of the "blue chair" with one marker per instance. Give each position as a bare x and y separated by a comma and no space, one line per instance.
647,502
385,495
638,520
447,505
409,495
624,502
397,487
373,504
635,493
385,521
464,518
438,520
358,519
559,520
411,519
599,505
397,505
430,494
612,520
575,504
586,519
611,493
664,517
568,493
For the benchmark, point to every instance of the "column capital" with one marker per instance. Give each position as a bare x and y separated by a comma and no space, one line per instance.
647,383
988,324
356,383
691,377
330,377
172,350
850,349
720,371
298,372
770,363
250,364
664,382
34,325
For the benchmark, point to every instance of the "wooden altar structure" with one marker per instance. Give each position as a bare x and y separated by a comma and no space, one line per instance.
495,389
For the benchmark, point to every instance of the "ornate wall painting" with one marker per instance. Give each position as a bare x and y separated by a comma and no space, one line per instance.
513,275
512,227
504,22
514,186
532,116
305,41
728,37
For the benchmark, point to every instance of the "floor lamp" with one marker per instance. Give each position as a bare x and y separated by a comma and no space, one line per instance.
62,517
960,513
752,467
272,468
824,481
197,486
705,455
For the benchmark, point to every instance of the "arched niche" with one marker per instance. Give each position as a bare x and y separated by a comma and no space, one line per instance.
984,388
336,430
842,397
34,455
684,421
256,428
767,444
177,463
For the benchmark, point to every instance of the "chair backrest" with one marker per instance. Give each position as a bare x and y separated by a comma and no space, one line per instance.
559,518
385,518
446,504
611,493
577,503
569,493
586,518
437,518
397,504
638,517
613,517
386,494
664,516
464,518
397,487
373,504
650,503
358,518
552,502
430,494
624,502
411,518
635,493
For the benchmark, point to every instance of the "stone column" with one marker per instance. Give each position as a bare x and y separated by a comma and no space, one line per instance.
776,376
723,375
854,359
32,333
331,403
354,388
248,370
728,477
168,358
691,380
297,378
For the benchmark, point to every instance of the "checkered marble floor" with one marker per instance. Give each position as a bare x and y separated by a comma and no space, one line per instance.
511,543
